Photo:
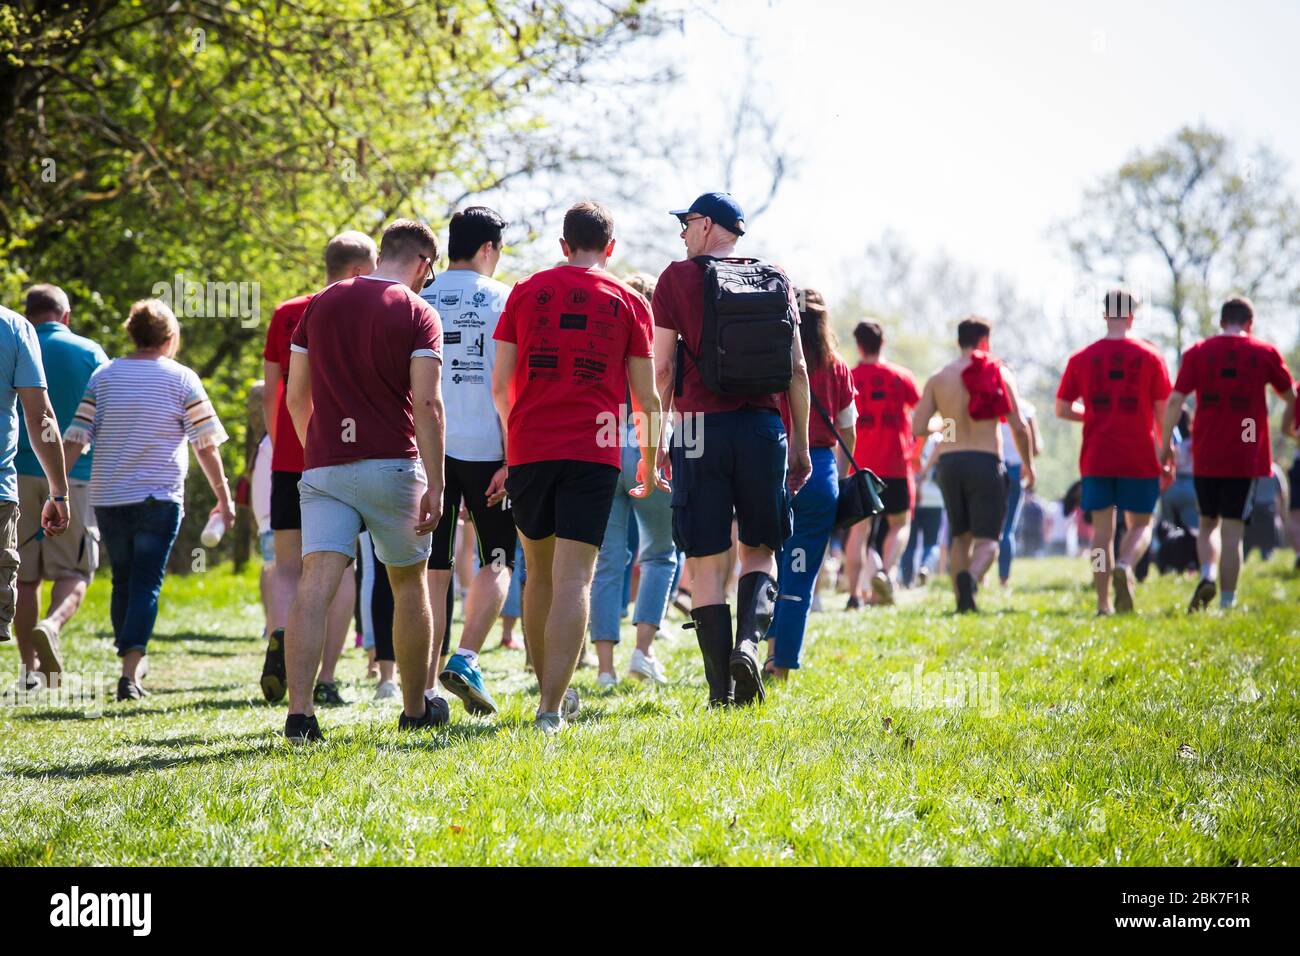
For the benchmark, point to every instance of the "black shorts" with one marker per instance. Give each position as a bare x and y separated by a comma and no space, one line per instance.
286,515
567,499
494,527
897,496
737,468
974,486
1224,497
1293,481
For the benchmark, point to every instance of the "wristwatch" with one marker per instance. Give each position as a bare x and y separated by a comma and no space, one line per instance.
58,498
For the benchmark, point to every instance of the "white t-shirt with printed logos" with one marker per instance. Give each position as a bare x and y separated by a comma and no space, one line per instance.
469,305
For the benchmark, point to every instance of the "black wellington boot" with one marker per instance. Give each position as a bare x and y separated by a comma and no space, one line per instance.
755,602
713,631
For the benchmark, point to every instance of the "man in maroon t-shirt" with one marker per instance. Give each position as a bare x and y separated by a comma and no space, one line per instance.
741,469
1123,385
366,402
1230,374
347,255
571,342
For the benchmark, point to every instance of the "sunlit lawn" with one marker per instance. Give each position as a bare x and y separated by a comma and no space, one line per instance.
1036,734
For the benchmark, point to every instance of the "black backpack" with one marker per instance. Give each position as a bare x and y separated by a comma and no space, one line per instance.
747,336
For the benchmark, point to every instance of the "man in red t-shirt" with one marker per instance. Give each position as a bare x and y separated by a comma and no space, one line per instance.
1123,385
365,398
1230,374
347,255
886,395
571,342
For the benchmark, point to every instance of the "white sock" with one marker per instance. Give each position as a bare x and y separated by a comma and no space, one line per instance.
461,652
1209,572
1122,564
1227,599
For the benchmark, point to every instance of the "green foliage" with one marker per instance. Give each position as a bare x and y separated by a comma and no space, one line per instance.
226,143
1158,739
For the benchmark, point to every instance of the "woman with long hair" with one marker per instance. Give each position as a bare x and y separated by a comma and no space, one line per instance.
832,410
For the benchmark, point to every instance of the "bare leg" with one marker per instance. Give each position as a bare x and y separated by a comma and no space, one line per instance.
412,633
604,657
66,595
566,622
1207,546
486,597
538,555
25,611
1102,557
304,635
897,530
284,577
439,580
959,554
855,547
339,623
984,551
1230,556
1136,539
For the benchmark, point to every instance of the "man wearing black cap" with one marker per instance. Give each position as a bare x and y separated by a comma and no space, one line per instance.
738,465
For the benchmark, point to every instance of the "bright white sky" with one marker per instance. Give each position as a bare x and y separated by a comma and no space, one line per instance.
972,127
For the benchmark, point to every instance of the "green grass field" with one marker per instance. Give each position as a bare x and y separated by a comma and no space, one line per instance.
1035,734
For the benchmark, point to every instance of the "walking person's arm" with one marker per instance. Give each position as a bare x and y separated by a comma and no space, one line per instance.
43,429
272,379
1020,431
214,470
298,396
924,411
1173,409
430,434
641,379
503,372
800,466
665,349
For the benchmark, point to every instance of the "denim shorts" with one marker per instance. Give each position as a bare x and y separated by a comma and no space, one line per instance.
1137,495
383,493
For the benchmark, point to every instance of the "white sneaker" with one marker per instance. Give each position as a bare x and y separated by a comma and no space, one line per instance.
606,681
570,704
646,668
386,690
548,724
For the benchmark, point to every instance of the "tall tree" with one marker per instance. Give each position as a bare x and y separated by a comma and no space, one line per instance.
1202,218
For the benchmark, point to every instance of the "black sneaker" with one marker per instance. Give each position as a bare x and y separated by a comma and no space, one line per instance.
1202,596
966,589
436,714
327,694
853,604
128,689
273,672
301,729
747,673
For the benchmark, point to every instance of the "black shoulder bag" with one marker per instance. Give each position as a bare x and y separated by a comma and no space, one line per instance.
859,492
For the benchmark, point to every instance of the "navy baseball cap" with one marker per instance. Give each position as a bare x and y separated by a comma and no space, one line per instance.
719,207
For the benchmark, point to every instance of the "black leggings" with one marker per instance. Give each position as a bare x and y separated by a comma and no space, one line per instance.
375,602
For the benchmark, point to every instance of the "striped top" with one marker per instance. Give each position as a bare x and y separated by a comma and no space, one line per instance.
138,414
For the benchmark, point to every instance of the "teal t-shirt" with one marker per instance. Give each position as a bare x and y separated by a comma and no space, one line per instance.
69,361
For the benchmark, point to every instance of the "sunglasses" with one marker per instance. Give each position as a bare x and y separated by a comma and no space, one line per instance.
686,223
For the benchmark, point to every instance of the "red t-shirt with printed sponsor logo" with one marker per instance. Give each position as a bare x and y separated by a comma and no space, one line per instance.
1119,380
286,451
887,393
574,329
360,336
833,386
679,305
1230,375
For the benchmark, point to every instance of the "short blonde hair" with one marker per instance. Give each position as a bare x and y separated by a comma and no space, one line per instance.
151,323
645,284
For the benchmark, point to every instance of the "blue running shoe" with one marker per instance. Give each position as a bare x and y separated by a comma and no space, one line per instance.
463,678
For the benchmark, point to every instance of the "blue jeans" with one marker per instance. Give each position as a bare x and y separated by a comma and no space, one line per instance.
801,556
921,544
139,539
1008,549
1178,503
656,556
514,606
